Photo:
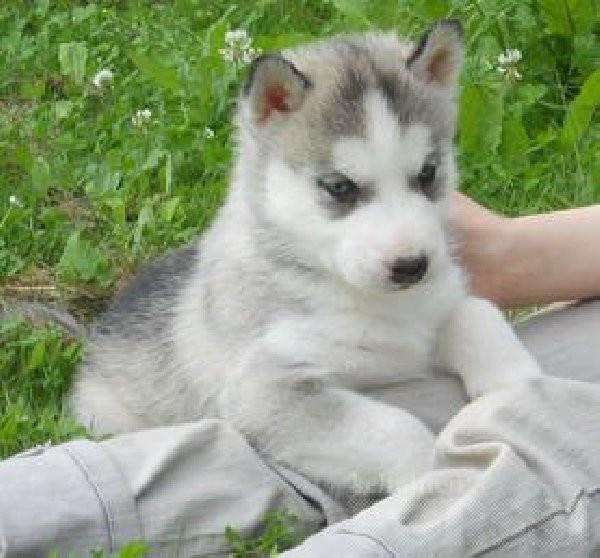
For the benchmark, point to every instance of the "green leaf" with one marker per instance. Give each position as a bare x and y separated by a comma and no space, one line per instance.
40,175
63,109
271,43
84,262
145,220
117,208
36,358
481,115
557,16
81,13
33,90
279,532
581,110
160,74
584,14
527,96
354,10
168,209
168,172
72,58
515,144
153,159
586,53
568,17
132,550
435,9
41,7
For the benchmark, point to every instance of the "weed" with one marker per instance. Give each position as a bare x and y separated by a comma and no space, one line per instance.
130,550
279,532
36,365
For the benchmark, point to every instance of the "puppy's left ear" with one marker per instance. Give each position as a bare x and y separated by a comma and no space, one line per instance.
274,86
437,57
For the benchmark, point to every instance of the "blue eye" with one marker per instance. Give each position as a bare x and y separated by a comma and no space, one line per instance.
427,175
339,187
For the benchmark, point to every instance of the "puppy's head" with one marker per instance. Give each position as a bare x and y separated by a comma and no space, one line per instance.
351,139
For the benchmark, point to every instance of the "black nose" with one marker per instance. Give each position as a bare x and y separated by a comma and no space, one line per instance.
408,271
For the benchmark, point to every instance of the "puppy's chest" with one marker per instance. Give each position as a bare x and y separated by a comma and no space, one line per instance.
355,349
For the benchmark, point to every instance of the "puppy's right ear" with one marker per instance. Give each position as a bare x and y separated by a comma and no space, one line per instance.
274,85
437,58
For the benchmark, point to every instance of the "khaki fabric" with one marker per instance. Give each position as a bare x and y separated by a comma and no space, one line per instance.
518,474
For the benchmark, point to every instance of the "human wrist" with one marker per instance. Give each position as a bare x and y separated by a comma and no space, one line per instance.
485,242
522,263
494,269
507,264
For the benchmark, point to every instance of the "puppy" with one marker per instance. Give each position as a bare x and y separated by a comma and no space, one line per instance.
327,271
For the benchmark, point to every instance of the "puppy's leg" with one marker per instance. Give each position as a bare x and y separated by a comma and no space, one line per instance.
99,410
479,345
333,436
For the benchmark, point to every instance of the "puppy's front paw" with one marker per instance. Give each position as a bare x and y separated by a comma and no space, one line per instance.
500,376
479,345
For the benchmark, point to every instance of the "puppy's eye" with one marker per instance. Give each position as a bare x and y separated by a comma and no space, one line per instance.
339,187
426,183
427,175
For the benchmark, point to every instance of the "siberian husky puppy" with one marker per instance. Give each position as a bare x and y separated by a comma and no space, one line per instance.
328,270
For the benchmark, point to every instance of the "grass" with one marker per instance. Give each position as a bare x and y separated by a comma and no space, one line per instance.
36,365
130,550
89,190
279,531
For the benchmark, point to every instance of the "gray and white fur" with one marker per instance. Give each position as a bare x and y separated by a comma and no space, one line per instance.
328,270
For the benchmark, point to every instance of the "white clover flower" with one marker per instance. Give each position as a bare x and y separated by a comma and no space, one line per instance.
141,117
508,64
13,201
239,49
249,54
510,56
237,37
209,133
103,77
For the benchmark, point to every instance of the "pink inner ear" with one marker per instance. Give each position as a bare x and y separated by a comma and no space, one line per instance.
439,67
276,98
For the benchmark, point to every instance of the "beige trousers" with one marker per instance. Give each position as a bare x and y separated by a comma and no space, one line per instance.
517,474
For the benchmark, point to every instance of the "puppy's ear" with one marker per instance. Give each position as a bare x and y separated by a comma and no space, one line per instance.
437,57
274,86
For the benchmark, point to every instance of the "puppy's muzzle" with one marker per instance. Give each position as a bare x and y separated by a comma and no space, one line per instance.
405,272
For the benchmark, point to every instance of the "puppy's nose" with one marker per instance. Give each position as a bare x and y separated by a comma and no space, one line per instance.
408,271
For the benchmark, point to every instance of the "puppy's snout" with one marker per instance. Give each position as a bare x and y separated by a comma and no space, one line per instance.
409,270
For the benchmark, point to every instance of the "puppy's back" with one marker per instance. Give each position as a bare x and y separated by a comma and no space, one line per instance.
131,350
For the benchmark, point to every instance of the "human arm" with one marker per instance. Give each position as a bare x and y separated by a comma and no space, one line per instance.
533,259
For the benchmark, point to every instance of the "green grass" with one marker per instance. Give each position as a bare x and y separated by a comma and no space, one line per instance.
130,550
86,195
36,365
279,531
